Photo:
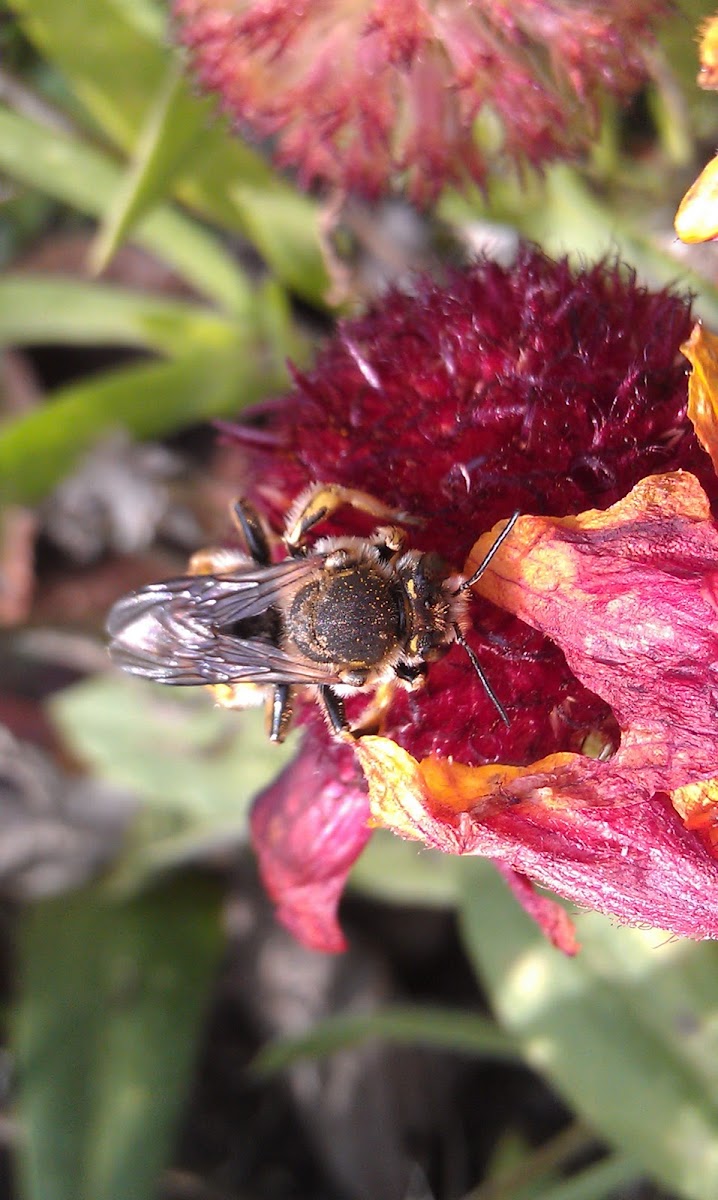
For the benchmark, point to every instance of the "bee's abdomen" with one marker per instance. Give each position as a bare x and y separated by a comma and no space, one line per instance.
351,616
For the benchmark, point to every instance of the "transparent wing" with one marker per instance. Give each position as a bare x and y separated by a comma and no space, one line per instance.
176,632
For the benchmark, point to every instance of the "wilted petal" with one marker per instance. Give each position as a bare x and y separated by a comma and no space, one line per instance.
697,216
631,596
632,860
308,829
547,913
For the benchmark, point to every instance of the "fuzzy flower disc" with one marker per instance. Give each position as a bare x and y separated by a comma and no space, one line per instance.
523,390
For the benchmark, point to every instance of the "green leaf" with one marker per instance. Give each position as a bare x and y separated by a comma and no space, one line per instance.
113,59
83,177
46,309
115,56
571,217
597,1182
446,1029
196,767
163,144
37,449
147,17
105,1031
625,1031
284,228
405,873
518,1172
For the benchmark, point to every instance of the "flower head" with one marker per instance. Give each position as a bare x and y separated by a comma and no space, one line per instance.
552,392
355,92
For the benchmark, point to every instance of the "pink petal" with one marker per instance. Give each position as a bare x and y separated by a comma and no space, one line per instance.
631,597
547,913
554,822
308,829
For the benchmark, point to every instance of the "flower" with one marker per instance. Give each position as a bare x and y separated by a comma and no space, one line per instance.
549,391
354,93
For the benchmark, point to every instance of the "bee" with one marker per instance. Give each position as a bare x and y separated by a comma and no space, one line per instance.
339,615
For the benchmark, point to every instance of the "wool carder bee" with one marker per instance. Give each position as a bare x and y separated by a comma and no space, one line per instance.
340,615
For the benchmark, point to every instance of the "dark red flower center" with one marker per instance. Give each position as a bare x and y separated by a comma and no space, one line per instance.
535,388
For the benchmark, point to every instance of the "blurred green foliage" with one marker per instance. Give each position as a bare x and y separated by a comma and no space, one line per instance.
114,979
105,1034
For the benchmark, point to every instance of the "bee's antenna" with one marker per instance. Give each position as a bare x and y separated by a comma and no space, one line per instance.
482,676
487,558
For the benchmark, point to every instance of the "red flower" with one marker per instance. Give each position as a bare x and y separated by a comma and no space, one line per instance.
354,93
550,392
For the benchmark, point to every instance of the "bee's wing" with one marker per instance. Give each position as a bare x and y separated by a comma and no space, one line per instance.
173,632
224,599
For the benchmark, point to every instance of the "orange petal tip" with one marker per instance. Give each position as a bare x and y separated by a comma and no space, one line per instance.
701,350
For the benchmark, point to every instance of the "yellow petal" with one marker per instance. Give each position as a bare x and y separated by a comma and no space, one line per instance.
697,804
708,54
697,216
701,350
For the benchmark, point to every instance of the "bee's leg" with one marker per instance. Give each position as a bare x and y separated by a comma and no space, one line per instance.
217,560
389,541
333,706
222,560
279,711
322,499
255,535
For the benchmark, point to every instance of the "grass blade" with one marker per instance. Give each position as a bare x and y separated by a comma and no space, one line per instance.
37,449
71,171
445,1029
163,144
43,309
625,1031
105,1030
